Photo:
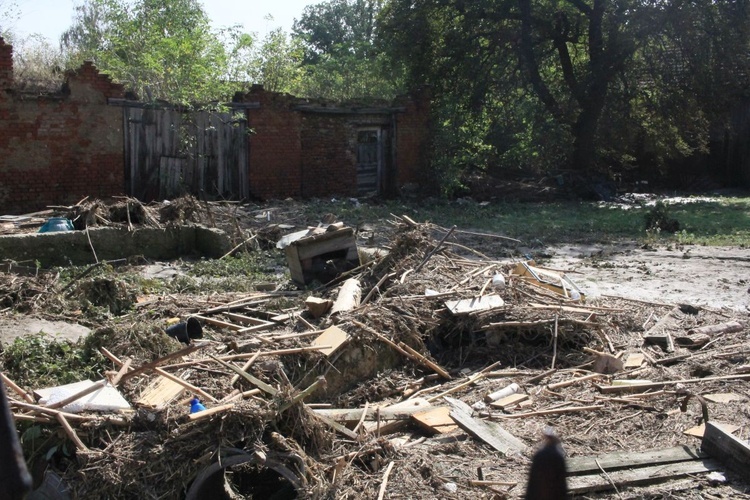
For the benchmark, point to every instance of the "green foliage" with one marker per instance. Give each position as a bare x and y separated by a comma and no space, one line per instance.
162,49
659,219
277,63
342,60
41,360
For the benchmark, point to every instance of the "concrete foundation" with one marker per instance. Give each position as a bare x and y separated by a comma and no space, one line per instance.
73,247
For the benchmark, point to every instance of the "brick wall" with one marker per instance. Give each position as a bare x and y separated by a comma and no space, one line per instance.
275,155
412,140
58,149
329,161
6,68
304,149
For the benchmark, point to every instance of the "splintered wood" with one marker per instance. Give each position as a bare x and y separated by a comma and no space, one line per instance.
442,381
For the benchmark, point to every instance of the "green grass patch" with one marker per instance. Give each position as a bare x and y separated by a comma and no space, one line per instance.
40,360
725,221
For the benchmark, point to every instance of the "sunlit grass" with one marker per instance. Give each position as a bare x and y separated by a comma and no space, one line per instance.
721,221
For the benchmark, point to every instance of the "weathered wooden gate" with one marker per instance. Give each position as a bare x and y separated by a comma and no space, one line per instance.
171,152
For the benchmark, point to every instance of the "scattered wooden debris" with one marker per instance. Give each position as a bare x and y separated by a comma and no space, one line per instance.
489,432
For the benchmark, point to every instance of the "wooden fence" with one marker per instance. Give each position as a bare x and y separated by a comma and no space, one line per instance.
170,152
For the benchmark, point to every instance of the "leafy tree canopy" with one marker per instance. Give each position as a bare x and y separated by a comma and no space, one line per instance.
163,49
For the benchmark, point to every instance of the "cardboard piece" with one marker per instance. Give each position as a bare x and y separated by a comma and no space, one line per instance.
475,304
334,337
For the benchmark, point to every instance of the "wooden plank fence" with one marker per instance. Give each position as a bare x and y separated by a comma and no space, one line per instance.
171,152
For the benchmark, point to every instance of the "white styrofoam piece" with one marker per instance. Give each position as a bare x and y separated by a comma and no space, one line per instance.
106,399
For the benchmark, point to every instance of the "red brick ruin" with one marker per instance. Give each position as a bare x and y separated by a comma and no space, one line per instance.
56,149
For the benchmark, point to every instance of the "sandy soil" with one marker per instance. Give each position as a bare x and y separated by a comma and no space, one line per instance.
702,276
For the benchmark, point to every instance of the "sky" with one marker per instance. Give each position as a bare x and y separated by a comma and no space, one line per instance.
52,17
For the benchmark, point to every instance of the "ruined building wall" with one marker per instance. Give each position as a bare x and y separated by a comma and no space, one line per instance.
275,156
58,149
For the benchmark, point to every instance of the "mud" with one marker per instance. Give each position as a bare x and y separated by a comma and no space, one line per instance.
717,277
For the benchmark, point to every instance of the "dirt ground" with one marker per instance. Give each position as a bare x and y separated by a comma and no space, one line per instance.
717,277
629,290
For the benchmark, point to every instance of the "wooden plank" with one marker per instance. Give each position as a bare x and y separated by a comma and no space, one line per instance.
644,475
628,459
699,430
726,397
160,392
217,322
246,320
398,411
211,411
489,432
509,401
332,336
635,359
646,385
474,304
437,420
731,451
729,327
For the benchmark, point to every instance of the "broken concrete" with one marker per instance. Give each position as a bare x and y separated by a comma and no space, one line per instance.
74,247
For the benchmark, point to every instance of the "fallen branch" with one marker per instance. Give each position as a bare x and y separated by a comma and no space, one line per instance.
384,485
70,432
211,411
25,395
567,409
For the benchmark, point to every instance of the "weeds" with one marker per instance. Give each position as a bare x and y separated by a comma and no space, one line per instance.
40,360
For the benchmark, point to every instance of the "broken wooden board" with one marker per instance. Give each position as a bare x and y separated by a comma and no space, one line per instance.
551,280
509,402
397,422
731,451
436,420
249,323
634,360
489,432
640,476
475,304
658,333
629,460
317,306
332,336
699,430
725,397
160,392
398,411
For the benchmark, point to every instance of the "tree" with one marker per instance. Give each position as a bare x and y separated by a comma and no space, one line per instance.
341,57
162,49
277,63
9,14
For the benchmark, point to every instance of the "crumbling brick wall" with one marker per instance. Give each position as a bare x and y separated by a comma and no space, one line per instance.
275,156
304,149
412,139
57,149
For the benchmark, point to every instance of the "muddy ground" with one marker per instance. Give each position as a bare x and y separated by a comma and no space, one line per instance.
629,287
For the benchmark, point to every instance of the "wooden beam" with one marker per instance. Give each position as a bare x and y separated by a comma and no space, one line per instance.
399,411
159,361
728,449
627,459
211,411
489,432
643,475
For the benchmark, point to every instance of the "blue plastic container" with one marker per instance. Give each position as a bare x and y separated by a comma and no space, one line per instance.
56,224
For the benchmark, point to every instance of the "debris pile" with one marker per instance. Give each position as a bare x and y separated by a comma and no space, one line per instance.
431,371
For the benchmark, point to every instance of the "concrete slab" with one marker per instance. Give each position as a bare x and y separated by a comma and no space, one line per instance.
13,327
